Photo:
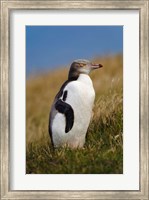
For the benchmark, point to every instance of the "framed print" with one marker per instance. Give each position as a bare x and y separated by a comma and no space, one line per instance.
74,99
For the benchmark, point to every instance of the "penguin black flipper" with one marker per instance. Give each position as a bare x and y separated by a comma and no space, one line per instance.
67,110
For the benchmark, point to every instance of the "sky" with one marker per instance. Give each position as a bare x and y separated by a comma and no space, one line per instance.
49,47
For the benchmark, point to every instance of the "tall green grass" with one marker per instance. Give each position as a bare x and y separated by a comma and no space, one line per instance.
103,150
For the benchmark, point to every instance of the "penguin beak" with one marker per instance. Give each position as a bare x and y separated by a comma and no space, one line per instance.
96,66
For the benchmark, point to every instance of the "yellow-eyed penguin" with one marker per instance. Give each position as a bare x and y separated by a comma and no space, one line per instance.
72,107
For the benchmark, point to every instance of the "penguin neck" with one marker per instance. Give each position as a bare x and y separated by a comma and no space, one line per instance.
85,79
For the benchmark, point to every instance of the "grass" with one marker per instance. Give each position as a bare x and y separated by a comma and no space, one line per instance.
103,150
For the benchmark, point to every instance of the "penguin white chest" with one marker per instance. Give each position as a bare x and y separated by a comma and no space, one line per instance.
80,96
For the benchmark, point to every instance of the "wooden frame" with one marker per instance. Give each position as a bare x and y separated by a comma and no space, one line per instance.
143,7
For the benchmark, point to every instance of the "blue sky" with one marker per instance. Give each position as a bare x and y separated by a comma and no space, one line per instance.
48,47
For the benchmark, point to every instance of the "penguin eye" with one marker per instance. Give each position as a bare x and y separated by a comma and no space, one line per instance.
82,64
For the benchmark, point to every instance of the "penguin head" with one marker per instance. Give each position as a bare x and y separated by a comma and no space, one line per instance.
81,66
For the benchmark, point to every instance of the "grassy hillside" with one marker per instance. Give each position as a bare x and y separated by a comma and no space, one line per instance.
103,150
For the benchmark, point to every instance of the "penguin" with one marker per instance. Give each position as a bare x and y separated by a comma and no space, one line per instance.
71,110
